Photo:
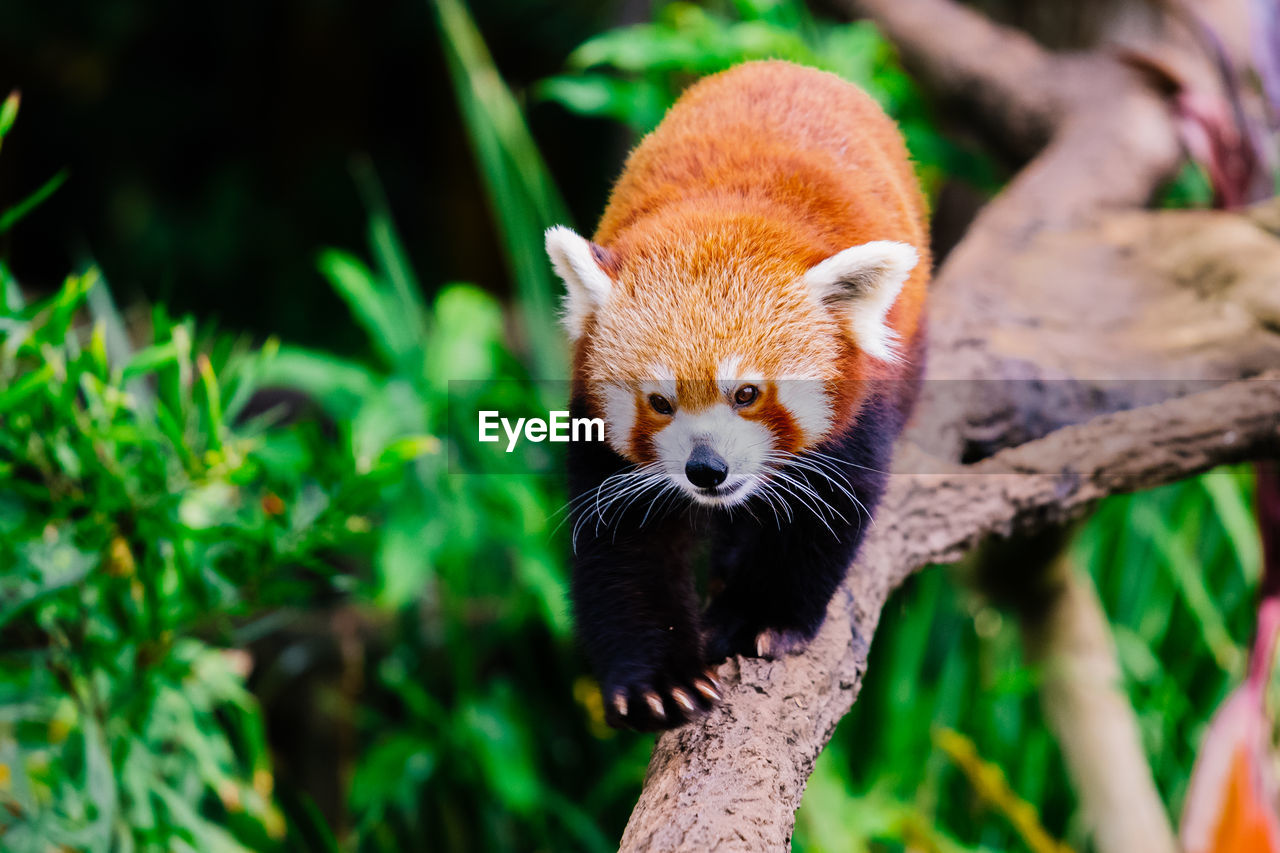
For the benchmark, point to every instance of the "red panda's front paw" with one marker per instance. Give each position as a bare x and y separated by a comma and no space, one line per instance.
772,643
648,707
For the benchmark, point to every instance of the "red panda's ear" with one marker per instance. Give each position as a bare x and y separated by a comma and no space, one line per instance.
861,283
587,286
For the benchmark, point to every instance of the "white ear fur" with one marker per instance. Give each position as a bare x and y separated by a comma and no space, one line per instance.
863,282
587,287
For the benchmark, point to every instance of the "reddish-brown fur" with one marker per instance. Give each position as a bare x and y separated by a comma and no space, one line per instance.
770,411
754,176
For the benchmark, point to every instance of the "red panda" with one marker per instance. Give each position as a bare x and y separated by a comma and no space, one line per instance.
748,321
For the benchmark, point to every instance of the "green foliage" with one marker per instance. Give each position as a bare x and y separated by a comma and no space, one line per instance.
141,522
1189,188
634,73
11,216
471,727
522,196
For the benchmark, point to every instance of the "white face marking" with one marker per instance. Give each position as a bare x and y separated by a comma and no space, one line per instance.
733,371
665,387
744,445
661,372
619,416
809,404
741,443
730,367
663,382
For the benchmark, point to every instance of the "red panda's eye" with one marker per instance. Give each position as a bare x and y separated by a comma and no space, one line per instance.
660,404
746,395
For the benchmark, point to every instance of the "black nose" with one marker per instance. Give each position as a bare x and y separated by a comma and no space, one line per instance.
705,469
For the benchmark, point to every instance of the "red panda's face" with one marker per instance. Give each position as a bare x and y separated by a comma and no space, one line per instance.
710,364
716,439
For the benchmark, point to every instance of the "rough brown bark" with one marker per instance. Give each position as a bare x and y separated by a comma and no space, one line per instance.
1062,286
733,781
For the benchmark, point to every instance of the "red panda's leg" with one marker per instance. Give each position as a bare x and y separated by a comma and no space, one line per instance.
780,572
775,600
635,611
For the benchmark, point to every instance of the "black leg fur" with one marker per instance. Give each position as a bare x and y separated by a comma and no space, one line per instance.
635,606
778,577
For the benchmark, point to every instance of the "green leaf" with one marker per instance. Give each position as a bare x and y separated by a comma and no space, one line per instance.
44,568
9,112
210,837
212,408
644,47
366,298
100,783
337,384
1227,492
25,387
14,214
469,334
392,772
640,103
13,513
389,253
499,743
406,551
541,574
522,196
1180,560
1135,655
404,450
11,300
152,358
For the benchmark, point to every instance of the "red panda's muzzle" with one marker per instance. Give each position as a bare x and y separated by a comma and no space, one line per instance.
706,469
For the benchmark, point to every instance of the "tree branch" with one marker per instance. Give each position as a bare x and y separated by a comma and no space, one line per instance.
735,780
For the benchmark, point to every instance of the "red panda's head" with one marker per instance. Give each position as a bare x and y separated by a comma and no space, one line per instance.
713,361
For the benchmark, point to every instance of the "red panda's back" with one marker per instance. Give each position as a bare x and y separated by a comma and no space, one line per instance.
793,144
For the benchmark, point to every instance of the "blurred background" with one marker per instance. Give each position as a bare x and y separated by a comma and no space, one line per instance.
246,605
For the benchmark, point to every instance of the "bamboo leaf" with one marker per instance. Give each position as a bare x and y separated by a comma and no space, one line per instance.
15,214
9,112
521,193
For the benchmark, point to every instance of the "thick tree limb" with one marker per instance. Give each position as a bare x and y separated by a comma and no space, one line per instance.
734,781
1061,276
